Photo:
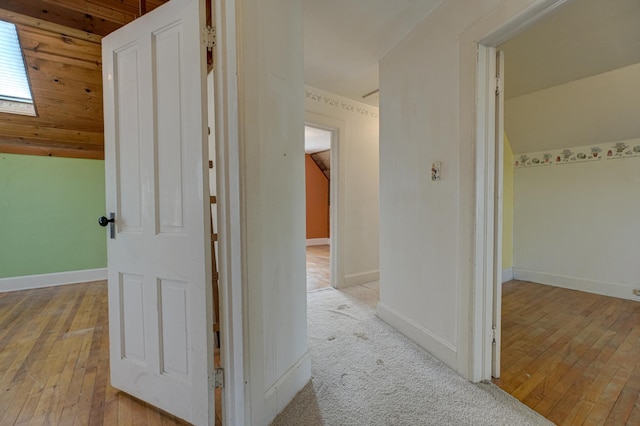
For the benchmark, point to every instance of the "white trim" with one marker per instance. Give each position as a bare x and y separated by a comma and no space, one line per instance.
604,288
476,118
236,403
318,241
336,191
280,394
438,347
507,275
361,278
485,235
27,282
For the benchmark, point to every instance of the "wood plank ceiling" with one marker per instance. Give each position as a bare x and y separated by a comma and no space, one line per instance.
60,41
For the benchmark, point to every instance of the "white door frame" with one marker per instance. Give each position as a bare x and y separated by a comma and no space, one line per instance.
235,397
336,225
501,25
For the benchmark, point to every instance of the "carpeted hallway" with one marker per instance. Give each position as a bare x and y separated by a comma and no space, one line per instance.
366,373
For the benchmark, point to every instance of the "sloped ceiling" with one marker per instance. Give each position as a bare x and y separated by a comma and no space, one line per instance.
316,140
99,17
598,109
571,79
64,66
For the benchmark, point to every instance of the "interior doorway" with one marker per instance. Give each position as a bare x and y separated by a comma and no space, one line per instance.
320,188
571,326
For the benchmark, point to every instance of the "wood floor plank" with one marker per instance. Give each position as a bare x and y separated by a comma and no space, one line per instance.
54,359
572,356
318,271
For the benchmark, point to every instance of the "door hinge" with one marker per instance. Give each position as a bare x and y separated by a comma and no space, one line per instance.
499,85
493,335
209,37
218,381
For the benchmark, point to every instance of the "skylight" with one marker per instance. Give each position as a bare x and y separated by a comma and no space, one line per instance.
15,93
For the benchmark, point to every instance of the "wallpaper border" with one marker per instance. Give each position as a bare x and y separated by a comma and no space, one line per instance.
588,153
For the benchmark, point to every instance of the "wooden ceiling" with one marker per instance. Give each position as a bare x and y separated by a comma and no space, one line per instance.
60,41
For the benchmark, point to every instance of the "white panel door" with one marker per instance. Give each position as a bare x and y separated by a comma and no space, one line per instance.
160,313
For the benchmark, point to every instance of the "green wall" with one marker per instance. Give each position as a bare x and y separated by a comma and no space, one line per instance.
49,209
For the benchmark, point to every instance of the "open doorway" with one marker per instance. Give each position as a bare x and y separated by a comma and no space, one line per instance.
319,202
561,328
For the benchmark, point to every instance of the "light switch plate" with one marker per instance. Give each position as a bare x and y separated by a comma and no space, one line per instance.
435,171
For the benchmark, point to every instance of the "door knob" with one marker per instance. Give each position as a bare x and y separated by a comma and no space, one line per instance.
111,221
103,221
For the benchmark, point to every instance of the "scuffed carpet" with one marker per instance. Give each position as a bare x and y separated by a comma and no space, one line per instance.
366,373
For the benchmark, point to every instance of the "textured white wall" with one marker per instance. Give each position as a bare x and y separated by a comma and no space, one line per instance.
359,182
427,114
271,101
576,225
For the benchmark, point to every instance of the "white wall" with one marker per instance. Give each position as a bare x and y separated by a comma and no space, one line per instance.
427,114
576,224
358,181
271,110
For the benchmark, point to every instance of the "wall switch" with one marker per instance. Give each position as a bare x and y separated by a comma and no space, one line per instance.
435,171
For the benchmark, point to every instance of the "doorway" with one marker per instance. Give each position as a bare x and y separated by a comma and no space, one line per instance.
321,166
317,148
570,345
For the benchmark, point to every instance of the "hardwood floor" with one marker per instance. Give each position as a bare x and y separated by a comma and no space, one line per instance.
54,356
54,361
573,357
318,271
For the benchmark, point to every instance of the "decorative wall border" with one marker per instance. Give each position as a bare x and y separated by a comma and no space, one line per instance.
335,101
607,151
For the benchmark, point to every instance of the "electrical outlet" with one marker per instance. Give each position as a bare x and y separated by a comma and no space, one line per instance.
636,291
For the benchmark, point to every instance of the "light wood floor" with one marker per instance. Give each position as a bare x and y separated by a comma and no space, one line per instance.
318,273
54,356
573,357
54,361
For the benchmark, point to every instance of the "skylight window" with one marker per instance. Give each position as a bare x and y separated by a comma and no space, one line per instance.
15,93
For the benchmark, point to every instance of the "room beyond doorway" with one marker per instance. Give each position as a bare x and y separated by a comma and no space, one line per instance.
318,267
572,356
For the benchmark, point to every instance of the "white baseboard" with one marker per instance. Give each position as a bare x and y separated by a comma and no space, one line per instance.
507,275
318,241
435,345
278,396
49,280
361,278
573,283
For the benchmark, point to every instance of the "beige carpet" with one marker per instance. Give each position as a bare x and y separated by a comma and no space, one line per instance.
366,373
